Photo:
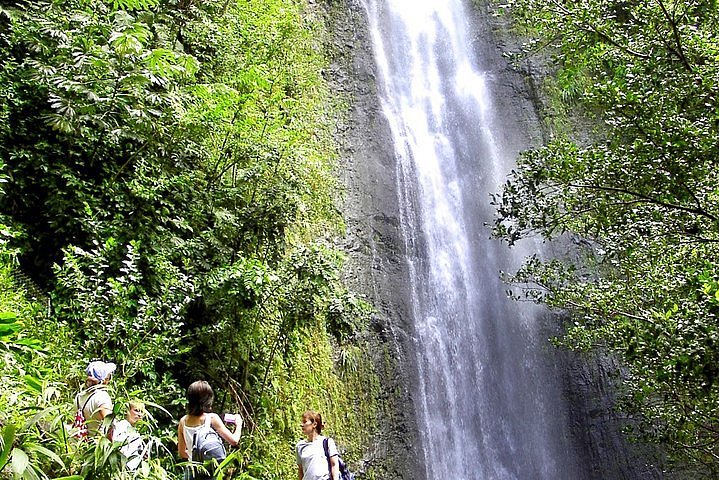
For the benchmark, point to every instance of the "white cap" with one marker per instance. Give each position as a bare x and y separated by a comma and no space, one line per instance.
100,370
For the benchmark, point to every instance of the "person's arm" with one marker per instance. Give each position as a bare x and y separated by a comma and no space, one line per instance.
101,404
181,446
300,472
111,435
335,474
102,411
233,438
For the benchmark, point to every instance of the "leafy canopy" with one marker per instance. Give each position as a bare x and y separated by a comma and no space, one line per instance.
639,199
168,199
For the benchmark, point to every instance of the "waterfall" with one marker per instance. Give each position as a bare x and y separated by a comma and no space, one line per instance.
488,400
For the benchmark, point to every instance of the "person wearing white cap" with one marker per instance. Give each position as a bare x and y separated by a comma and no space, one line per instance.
94,400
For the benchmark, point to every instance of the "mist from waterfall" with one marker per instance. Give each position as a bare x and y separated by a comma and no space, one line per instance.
488,400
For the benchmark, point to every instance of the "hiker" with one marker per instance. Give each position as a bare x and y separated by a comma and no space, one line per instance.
133,447
93,401
312,461
200,420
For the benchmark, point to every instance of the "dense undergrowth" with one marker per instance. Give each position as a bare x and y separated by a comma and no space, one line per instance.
168,204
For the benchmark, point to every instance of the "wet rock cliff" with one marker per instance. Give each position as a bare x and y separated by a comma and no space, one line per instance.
377,267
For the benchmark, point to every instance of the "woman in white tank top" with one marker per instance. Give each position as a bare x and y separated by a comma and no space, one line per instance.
199,413
188,431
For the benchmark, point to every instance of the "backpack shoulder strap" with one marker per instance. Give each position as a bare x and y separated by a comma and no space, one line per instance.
326,445
206,426
200,432
77,401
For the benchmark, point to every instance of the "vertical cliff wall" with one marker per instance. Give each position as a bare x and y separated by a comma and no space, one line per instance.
378,264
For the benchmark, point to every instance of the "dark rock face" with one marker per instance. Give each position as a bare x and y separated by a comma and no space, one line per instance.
378,267
590,388
373,237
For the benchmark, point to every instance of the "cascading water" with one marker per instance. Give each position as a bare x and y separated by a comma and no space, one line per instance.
488,403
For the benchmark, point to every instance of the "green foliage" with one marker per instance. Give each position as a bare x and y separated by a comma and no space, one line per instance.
168,189
638,202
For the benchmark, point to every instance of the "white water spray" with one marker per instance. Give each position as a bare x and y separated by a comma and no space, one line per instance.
488,404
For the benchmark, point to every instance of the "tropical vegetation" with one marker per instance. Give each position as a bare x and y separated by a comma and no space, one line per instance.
628,188
168,203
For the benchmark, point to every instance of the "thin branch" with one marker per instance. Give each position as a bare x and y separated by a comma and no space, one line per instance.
699,447
647,198
613,313
679,51
710,430
223,149
129,159
697,239
586,26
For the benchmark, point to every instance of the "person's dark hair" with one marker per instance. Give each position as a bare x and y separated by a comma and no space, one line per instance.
199,398
315,418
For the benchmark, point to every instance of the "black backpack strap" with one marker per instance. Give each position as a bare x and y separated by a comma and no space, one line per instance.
86,402
326,445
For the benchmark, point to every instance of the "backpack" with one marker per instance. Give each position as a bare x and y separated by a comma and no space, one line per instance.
207,445
80,422
345,474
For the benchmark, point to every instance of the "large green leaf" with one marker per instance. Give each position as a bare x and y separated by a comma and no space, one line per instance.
8,437
7,318
37,448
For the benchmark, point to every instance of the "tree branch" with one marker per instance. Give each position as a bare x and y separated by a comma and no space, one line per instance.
648,199
612,313
588,27
679,51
